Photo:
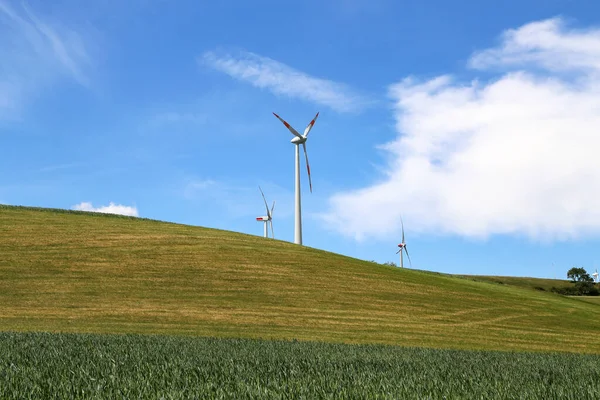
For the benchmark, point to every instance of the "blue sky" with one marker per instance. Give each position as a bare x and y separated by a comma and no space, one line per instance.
476,122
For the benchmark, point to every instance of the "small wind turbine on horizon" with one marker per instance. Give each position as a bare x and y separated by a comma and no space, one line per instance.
403,247
268,218
595,276
299,140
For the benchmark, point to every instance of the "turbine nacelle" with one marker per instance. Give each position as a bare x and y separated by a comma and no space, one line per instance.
263,218
298,140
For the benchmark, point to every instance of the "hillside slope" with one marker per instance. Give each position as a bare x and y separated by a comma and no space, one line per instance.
82,272
522,282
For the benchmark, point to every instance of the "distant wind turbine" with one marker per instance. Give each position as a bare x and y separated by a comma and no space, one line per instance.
595,275
299,140
403,247
268,218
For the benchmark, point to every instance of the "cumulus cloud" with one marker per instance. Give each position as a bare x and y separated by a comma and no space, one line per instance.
549,44
280,79
514,155
111,208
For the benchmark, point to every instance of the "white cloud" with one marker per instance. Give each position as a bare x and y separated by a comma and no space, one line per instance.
548,43
111,208
516,155
266,73
35,52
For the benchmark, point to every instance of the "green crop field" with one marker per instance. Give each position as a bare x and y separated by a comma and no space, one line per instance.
96,273
69,366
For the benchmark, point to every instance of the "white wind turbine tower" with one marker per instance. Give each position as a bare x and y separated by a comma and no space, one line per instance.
268,218
403,247
595,275
299,140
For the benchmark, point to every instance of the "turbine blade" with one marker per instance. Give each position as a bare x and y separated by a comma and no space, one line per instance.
405,249
398,251
310,125
272,232
307,166
402,222
272,208
295,132
265,200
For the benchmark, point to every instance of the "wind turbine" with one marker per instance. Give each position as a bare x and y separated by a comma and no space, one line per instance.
403,247
595,275
299,140
268,218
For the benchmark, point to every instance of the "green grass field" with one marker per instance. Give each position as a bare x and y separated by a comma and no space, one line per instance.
588,299
70,366
95,273
542,284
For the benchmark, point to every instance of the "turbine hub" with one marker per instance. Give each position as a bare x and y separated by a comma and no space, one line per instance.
298,140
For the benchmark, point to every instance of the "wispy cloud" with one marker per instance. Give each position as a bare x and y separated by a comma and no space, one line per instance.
35,52
227,196
9,96
111,208
58,167
169,118
359,9
237,199
280,79
515,155
193,187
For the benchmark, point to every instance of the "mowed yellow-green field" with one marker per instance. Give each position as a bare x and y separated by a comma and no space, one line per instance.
83,272
523,282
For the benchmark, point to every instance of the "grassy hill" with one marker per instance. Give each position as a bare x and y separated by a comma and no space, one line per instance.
81,272
543,284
